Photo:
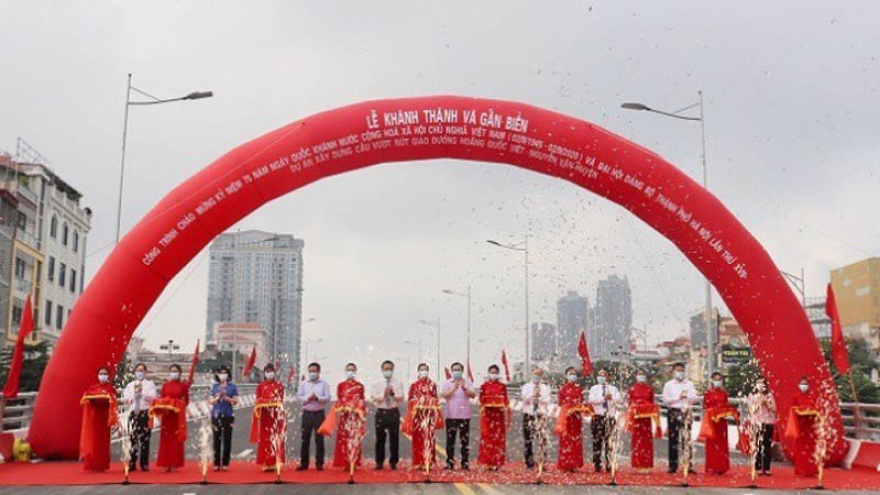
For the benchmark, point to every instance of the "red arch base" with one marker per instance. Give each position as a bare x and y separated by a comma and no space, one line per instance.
409,129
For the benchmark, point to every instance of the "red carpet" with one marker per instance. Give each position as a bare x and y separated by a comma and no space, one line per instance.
70,473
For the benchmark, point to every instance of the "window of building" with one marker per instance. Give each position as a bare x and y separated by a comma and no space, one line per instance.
75,241
72,280
22,221
62,274
64,234
59,317
53,227
17,311
51,273
48,313
20,268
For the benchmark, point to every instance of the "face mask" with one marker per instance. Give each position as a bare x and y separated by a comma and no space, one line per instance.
641,378
571,378
139,375
388,374
313,377
223,377
423,374
270,375
175,375
716,383
457,375
679,375
103,378
804,387
601,380
536,379
350,374
494,377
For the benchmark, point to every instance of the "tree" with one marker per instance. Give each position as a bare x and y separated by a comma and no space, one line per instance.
862,362
36,357
740,378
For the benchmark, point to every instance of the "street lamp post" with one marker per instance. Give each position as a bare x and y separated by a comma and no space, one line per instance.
469,306
437,326
170,347
196,95
524,248
710,337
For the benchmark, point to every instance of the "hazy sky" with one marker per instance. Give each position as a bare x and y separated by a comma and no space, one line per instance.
791,102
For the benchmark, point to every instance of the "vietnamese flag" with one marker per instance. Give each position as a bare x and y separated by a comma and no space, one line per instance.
838,344
10,391
195,362
506,366
584,353
250,363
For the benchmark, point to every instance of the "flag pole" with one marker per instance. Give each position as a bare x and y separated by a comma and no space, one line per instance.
857,413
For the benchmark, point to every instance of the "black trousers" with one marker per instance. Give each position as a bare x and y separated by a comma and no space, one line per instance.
139,426
462,427
764,447
533,431
222,428
388,426
311,421
601,427
679,427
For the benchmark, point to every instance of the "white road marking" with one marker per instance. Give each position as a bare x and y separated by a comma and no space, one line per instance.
244,453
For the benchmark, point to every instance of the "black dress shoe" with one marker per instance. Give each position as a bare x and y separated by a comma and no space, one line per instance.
319,467
394,467
466,467
378,467
145,469
302,467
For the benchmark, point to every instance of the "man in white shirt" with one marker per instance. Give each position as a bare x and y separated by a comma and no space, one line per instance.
536,400
679,394
138,396
387,394
604,397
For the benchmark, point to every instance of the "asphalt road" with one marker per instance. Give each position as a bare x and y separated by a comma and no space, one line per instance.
242,449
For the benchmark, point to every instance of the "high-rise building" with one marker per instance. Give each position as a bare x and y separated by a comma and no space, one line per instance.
612,324
572,317
256,277
544,341
45,255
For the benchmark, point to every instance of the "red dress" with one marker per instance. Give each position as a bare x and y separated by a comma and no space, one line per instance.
715,405
351,407
641,408
571,443
268,425
99,415
493,423
171,406
803,425
423,416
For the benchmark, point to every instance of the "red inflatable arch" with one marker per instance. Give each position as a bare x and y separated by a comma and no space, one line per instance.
411,129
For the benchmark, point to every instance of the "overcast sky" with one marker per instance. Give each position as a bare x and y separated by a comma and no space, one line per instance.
791,104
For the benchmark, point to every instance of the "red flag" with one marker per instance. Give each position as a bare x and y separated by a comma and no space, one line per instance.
506,366
448,374
470,373
290,375
195,362
584,353
250,363
838,344
10,391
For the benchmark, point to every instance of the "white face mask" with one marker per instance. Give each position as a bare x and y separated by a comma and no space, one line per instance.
270,375
313,377
804,387
456,375
423,374
716,383
223,377
174,375
679,375
139,375
388,374
602,380
494,377
351,374
641,378
571,378
536,379
103,378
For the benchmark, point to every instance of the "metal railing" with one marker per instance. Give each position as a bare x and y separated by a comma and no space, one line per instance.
15,414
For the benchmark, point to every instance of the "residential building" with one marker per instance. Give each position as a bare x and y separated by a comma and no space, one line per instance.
572,318
256,277
611,334
544,339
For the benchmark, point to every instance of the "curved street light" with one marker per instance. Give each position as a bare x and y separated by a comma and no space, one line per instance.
524,248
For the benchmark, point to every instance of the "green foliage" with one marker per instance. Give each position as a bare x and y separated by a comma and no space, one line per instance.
36,357
740,378
862,361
